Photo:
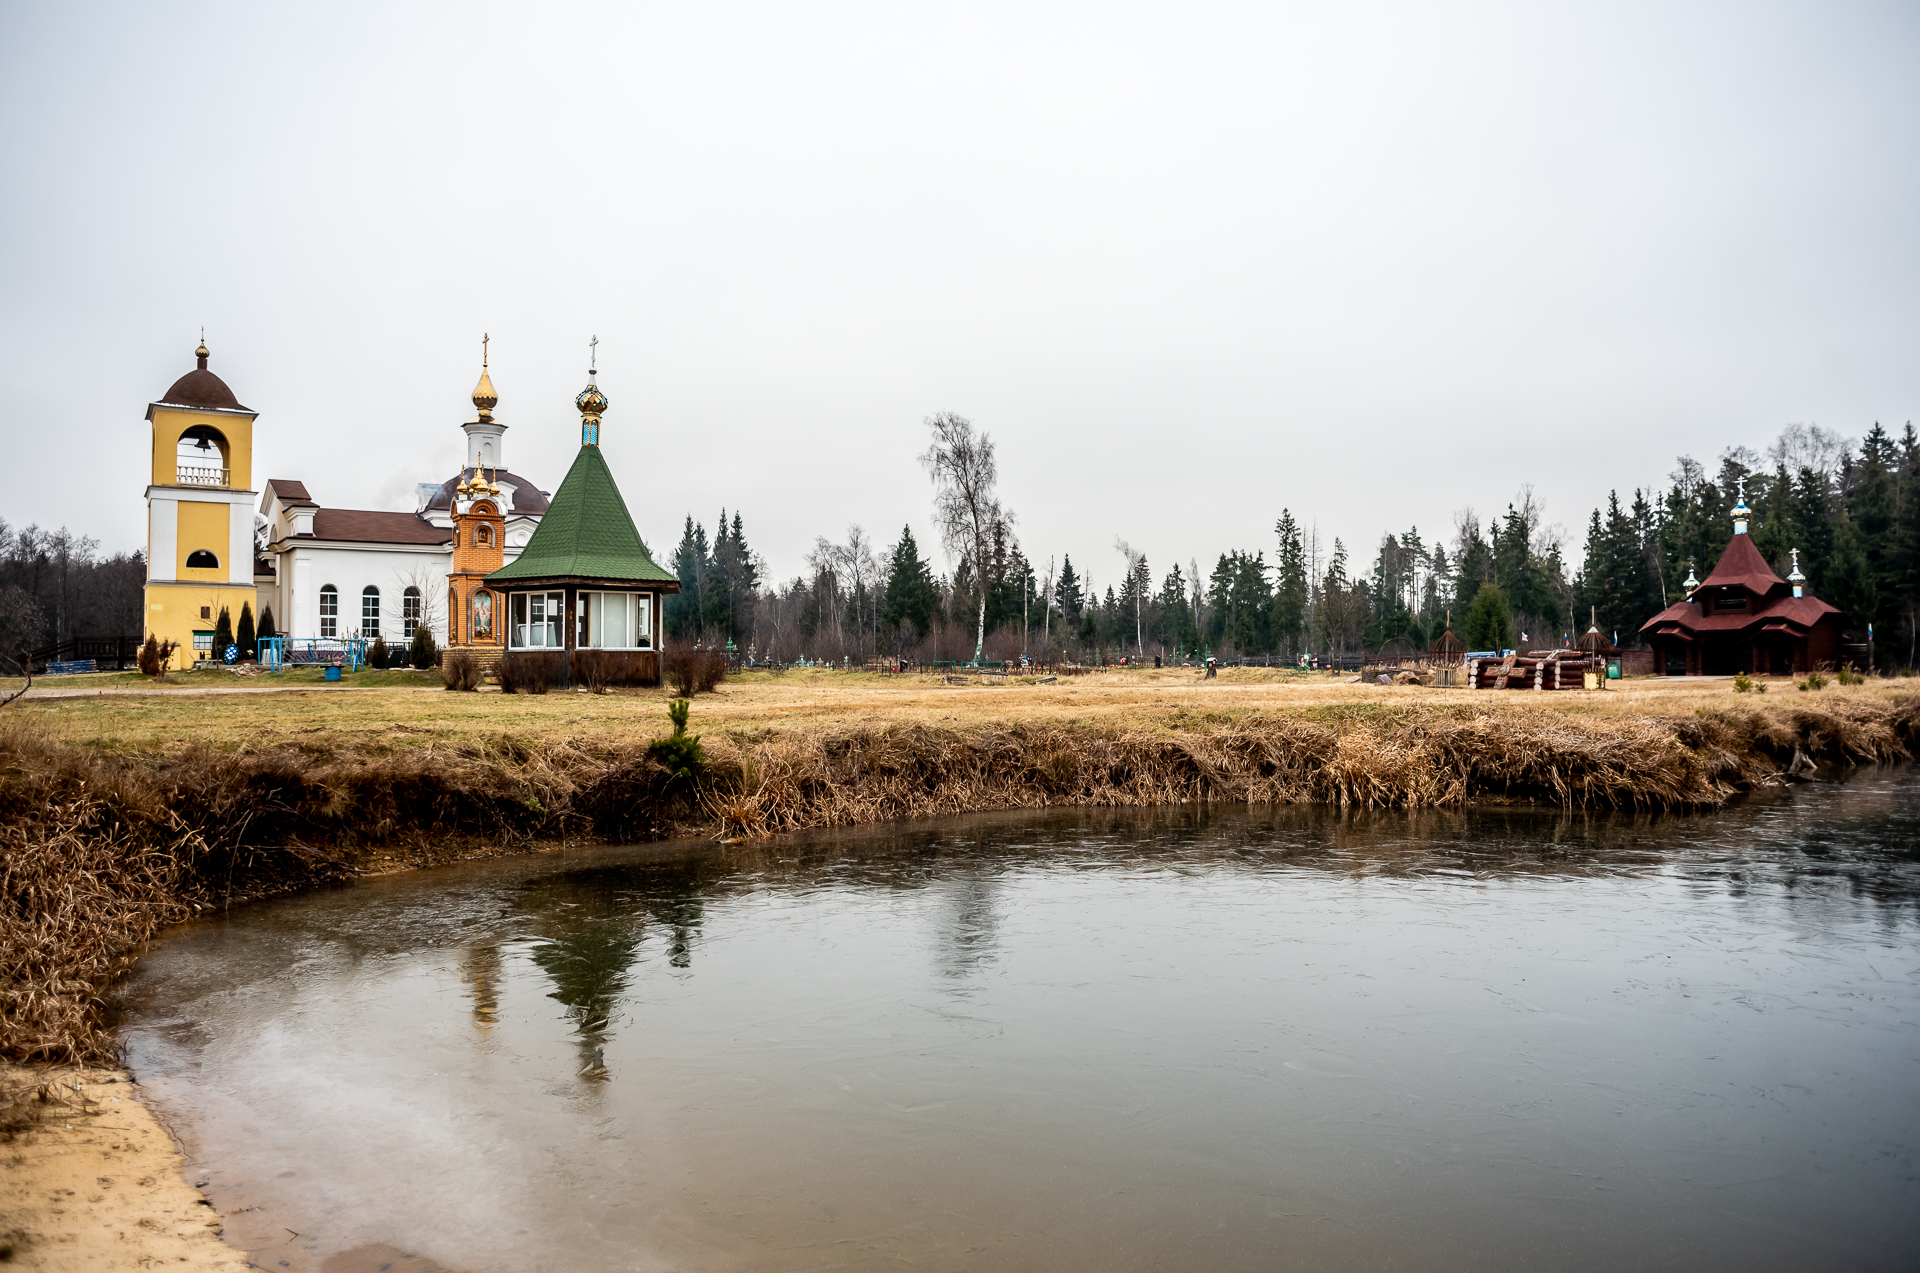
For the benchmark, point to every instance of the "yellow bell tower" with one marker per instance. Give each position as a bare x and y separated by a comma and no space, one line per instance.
199,512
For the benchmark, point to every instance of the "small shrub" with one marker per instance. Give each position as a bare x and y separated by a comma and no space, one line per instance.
593,669
156,655
1760,687
378,654
460,671
680,753
420,653
690,671
1847,675
525,674
1742,683
1815,681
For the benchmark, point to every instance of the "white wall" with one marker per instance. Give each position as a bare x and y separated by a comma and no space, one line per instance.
306,568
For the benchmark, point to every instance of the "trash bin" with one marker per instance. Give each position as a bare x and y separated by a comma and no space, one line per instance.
1613,669
333,672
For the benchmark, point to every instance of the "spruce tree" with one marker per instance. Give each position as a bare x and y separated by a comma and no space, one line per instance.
1174,613
266,628
1489,623
1067,594
910,598
222,634
421,652
690,564
244,635
1291,587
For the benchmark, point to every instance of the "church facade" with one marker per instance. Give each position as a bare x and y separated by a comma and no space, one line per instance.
216,542
337,572
1744,618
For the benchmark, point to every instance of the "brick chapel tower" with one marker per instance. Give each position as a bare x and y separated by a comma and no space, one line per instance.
474,622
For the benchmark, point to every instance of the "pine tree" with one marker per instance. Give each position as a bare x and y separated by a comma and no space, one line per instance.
1067,594
1173,613
910,597
1489,623
690,564
266,629
244,637
1291,587
222,634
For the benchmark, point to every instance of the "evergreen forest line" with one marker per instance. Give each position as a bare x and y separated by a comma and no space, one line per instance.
1851,509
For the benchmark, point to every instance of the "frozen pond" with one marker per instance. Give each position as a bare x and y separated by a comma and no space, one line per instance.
1169,1039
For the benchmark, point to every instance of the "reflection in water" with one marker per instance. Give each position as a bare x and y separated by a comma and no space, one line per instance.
481,973
967,923
588,926
1219,1038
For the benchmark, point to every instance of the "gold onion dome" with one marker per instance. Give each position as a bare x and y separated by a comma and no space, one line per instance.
484,397
591,401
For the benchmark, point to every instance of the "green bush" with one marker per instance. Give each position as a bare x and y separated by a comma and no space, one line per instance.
1489,620
680,753
378,654
421,652
1742,683
1848,676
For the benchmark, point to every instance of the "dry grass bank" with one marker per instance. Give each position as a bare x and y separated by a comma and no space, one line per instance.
120,815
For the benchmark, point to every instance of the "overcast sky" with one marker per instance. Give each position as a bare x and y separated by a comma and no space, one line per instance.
1187,264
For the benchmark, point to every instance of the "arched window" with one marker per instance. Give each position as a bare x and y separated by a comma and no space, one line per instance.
201,559
485,537
453,615
409,612
369,612
202,457
456,536
329,611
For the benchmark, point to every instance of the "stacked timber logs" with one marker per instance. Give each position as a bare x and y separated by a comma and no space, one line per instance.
1539,670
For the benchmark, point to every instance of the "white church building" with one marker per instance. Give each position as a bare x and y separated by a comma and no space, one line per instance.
342,572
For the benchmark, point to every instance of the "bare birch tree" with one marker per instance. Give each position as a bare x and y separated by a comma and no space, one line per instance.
1137,579
855,564
966,503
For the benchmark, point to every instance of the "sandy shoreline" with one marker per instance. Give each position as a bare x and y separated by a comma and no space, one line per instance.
98,1185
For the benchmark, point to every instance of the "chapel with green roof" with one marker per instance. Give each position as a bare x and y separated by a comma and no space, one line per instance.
585,586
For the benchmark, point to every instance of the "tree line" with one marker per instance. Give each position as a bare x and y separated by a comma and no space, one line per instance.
56,585
1851,509
1500,582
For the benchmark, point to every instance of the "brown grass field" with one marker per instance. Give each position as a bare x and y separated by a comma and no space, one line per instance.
125,807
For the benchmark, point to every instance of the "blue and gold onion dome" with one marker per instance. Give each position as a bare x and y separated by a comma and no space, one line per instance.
591,401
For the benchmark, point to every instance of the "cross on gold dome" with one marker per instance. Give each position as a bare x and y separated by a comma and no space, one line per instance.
484,397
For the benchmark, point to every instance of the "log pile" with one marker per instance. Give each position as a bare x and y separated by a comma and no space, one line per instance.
1539,670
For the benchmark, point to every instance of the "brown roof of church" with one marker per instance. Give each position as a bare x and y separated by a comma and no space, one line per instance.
1742,566
1773,605
291,493
357,526
202,389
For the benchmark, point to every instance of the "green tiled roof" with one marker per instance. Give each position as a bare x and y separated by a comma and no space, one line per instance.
587,533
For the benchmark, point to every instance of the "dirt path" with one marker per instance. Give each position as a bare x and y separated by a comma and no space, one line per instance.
96,1186
67,691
